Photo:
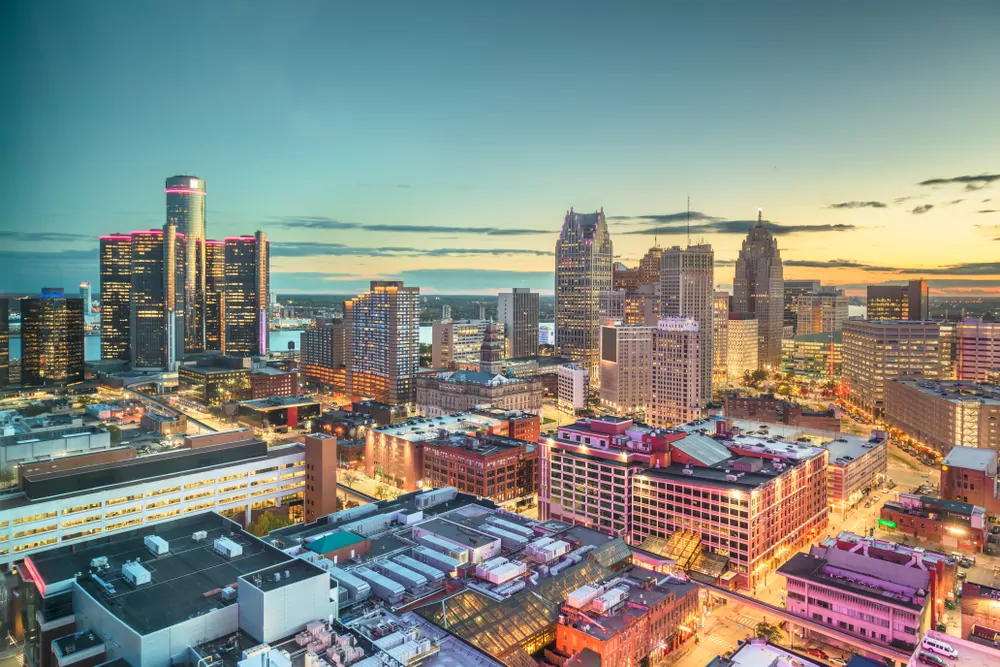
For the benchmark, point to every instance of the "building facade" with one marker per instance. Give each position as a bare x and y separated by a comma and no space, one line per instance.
215,295
213,382
248,277
517,311
583,269
876,352
573,387
156,303
502,469
676,395
626,367
823,312
742,347
720,338
899,302
456,343
942,414
449,392
116,291
51,339
969,475
814,356
4,342
978,349
758,289
186,212
687,291
323,355
793,289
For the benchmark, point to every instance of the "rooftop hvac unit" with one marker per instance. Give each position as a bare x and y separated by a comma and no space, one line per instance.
254,651
228,593
687,471
581,596
99,563
227,547
511,526
199,535
156,545
135,574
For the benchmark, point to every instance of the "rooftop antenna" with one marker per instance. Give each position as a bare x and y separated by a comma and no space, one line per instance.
760,215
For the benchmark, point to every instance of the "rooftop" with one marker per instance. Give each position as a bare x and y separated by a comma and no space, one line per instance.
758,653
485,446
288,572
464,535
863,576
179,579
708,451
972,458
334,541
421,428
278,402
475,377
717,475
956,390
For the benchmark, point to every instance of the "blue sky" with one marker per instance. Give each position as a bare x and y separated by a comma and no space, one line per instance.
443,142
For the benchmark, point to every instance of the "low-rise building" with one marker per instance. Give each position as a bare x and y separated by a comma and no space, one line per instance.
456,391
574,387
24,439
969,475
767,409
214,380
814,356
160,424
279,412
952,524
857,467
502,469
520,425
267,381
941,414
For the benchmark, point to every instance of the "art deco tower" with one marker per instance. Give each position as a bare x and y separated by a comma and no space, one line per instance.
584,259
758,290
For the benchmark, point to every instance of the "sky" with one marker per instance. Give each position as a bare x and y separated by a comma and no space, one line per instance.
442,143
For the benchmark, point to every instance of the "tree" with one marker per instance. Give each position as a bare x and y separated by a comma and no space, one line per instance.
350,477
759,376
267,522
7,477
382,491
116,434
771,633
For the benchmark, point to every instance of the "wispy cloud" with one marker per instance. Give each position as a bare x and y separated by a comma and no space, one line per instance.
683,216
900,200
971,183
858,204
741,227
332,224
920,210
35,237
836,264
988,210
953,202
320,249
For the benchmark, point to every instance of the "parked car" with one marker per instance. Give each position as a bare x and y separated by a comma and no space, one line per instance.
838,661
818,653
931,659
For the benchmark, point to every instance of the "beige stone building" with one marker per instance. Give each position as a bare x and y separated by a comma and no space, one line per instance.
945,414
458,391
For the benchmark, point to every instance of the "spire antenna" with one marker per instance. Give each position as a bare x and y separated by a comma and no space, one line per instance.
760,215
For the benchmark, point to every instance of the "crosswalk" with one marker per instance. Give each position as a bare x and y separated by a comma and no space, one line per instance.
745,620
721,644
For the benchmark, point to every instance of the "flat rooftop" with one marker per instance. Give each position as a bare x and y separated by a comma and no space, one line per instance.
972,458
760,654
716,475
179,579
490,445
213,370
879,585
290,572
464,535
273,402
416,429
956,390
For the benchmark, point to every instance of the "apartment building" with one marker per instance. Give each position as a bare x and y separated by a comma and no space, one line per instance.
978,349
676,395
941,414
626,367
876,352
231,473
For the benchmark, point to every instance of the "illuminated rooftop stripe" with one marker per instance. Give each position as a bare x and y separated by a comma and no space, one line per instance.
183,191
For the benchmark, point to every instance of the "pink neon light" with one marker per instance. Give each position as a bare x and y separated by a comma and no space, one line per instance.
184,191
240,238
212,242
37,578
151,231
115,237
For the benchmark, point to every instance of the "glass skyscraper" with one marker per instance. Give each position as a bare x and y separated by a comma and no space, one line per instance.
51,339
584,259
186,211
4,342
759,290
247,270
157,298
116,291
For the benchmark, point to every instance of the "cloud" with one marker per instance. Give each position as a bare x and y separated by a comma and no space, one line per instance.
920,210
953,202
49,259
988,210
332,224
971,183
683,216
964,269
836,264
742,227
36,237
320,249
858,204
725,262
900,200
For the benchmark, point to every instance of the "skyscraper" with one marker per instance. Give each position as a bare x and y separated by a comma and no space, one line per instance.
758,290
51,339
186,211
676,372
491,352
383,342
584,258
215,295
87,296
156,304
822,312
686,290
517,310
649,266
626,367
247,267
4,342
899,302
116,291
323,355
720,337
793,289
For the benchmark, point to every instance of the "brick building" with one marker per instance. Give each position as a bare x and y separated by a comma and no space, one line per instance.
489,466
952,524
769,410
969,475
267,381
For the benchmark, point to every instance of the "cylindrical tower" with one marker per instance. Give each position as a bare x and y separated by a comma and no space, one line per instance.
186,211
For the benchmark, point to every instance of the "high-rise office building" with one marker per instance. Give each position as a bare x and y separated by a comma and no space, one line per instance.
383,342
758,290
455,344
649,266
116,291
899,302
87,296
517,310
676,395
623,277
875,352
491,352
584,258
822,312
186,211
156,303
741,347
720,334
686,290
626,367
51,339
215,295
248,278
4,341
323,355
792,291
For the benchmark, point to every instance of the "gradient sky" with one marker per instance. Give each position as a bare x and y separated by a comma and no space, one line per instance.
442,143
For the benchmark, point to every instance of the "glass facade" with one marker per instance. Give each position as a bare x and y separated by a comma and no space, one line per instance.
52,339
157,298
116,290
215,295
247,275
186,211
4,342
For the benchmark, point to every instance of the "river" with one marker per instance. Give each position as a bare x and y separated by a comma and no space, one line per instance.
279,341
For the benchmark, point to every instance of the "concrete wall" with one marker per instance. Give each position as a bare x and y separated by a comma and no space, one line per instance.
81,443
285,610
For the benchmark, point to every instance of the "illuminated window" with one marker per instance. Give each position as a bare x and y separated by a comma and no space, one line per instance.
160,492
34,531
122,524
123,511
163,503
195,485
123,500
36,517
162,515
36,545
81,508
77,522
83,533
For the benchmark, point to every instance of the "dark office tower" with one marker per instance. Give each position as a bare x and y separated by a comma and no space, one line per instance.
383,342
186,211
758,290
687,278
584,259
491,352
247,294
215,295
793,290
4,342
899,302
116,290
517,311
157,298
649,266
51,339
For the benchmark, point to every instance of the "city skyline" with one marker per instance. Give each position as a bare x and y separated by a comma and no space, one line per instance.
427,156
